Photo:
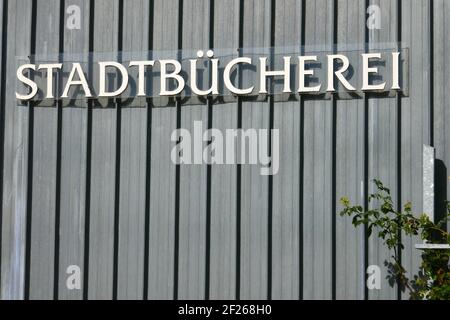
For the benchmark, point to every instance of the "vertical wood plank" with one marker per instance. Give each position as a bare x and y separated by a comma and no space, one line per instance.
286,183
350,271
223,177
317,188
192,227
254,187
441,67
162,181
15,156
73,164
44,164
133,164
103,165
383,135
415,122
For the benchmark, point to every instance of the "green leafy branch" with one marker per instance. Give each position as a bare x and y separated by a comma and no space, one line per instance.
433,282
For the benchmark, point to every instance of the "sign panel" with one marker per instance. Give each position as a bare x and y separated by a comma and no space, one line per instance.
219,73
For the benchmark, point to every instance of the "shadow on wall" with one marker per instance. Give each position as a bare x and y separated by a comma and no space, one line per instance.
440,191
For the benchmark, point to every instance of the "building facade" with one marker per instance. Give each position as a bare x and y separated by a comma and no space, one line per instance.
90,190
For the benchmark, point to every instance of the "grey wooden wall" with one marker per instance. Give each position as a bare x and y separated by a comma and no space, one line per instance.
94,187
